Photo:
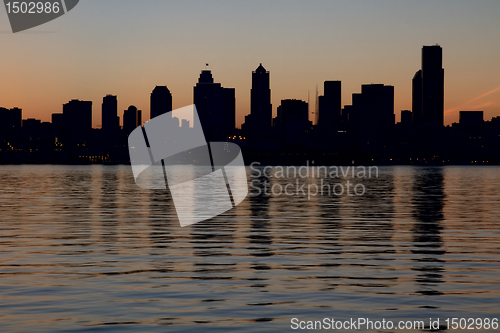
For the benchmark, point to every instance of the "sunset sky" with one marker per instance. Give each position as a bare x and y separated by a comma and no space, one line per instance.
127,47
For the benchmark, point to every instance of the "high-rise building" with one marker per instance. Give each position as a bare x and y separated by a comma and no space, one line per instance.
293,121
372,118
161,101
428,90
78,116
229,116
330,105
110,119
260,106
417,98
215,106
433,86
132,118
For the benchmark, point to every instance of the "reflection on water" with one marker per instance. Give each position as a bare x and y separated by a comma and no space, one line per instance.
83,248
428,202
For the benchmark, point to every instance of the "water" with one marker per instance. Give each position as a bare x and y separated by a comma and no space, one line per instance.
84,249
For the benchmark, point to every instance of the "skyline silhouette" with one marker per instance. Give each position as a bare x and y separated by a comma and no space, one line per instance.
366,128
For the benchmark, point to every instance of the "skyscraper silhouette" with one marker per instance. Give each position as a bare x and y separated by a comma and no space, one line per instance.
78,116
372,117
132,118
110,119
215,106
229,117
330,105
433,86
293,120
417,99
428,90
161,101
260,106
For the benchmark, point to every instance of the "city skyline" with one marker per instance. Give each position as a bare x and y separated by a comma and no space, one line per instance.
303,45
240,119
427,104
366,129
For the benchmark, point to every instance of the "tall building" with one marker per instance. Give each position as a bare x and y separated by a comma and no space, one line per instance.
215,106
78,116
330,105
428,90
260,106
433,86
371,117
229,110
161,101
417,98
132,118
293,121
110,119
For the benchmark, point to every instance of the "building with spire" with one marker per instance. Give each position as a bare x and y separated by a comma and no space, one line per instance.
260,106
216,108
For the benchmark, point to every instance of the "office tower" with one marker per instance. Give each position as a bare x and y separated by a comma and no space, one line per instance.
293,119
417,98
260,106
215,106
77,117
132,118
229,116
330,105
110,119
428,90
161,101
373,119
433,86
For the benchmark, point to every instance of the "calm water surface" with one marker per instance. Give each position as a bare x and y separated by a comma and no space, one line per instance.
82,248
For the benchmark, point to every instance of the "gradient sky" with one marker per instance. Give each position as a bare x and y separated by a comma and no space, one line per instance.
127,47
